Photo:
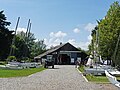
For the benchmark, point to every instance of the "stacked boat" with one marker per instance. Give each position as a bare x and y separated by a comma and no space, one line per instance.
18,65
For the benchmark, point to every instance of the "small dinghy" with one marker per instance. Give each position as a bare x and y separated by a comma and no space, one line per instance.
114,72
112,79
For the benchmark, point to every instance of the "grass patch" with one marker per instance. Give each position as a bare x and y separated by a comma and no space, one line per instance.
81,68
97,79
19,73
92,78
118,78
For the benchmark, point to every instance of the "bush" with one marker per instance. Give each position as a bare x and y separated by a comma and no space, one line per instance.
2,62
25,59
11,58
81,68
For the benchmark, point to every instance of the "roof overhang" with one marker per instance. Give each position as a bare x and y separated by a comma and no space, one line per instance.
70,51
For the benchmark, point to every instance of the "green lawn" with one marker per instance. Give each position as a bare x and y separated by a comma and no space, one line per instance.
97,79
118,78
81,68
92,78
19,73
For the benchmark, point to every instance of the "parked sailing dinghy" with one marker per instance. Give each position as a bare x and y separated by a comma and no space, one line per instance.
18,65
114,72
98,69
112,79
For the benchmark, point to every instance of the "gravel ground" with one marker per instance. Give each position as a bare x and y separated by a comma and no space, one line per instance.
63,77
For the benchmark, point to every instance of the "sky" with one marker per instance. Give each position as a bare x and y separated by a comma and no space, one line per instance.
56,21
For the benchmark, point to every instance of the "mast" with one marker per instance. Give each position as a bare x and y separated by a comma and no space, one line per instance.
27,38
114,56
97,46
13,41
29,30
28,27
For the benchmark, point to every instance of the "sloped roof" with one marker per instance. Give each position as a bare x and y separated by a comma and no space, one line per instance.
50,51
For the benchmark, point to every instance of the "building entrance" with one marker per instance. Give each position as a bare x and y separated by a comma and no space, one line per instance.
64,59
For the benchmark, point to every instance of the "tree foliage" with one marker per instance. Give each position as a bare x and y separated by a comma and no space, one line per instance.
27,47
38,48
108,32
5,36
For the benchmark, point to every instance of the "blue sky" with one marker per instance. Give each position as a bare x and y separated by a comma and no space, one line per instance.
57,21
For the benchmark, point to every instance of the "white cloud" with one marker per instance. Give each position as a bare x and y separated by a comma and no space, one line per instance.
36,40
82,45
76,30
71,40
89,27
52,42
55,42
21,29
51,34
55,38
58,34
89,37
45,40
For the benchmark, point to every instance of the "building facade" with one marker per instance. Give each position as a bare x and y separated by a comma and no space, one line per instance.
63,54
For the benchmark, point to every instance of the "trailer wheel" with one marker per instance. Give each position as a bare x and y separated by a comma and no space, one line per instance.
53,66
44,66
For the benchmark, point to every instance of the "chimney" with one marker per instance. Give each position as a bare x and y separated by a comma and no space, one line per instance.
60,43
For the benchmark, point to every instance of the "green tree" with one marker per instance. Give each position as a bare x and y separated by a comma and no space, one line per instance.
106,35
20,47
38,48
109,31
23,44
5,36
27,47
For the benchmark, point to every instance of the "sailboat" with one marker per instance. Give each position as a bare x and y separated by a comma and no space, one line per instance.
115,72
98,67
112,79
90,61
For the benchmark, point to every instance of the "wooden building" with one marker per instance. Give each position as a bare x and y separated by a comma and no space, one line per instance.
63,54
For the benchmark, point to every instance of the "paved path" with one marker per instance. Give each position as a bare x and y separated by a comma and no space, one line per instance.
61,78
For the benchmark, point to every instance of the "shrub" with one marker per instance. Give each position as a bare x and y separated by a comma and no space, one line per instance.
25,59
81,68
11,58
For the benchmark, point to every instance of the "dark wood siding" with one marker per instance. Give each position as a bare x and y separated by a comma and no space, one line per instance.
68,47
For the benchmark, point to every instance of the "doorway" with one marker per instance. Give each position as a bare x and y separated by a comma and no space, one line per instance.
64,59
